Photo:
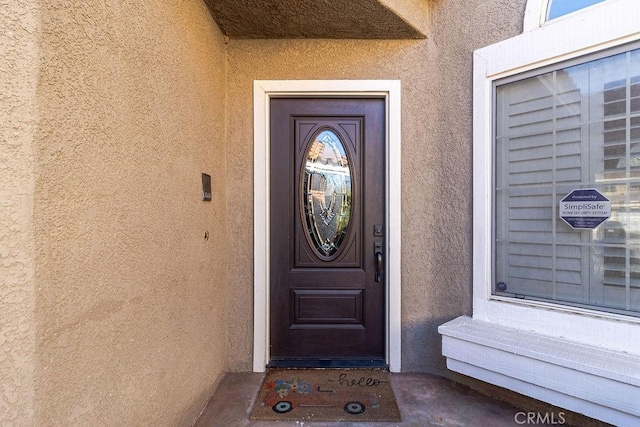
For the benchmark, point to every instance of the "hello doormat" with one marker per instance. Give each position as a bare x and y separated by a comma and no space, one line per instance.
326,395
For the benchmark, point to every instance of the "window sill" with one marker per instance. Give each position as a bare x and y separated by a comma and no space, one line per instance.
594,381
567,307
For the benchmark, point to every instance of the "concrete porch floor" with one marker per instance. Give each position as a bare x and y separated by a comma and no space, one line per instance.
424,400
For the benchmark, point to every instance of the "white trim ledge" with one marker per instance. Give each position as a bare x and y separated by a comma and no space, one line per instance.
585,379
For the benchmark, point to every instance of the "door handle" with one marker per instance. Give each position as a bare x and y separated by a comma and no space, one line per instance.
378,266
377,249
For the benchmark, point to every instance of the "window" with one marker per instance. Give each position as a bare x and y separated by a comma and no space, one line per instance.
559,8
558,130
556,311
555,109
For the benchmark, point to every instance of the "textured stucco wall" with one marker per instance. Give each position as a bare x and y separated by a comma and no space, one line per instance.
413,12
309,19
436,76
113,305
18,78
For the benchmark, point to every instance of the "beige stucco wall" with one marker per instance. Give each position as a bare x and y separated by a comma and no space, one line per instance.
18,77
113,305
114,308
436,158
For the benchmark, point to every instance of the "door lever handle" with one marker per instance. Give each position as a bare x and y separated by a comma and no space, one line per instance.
378,266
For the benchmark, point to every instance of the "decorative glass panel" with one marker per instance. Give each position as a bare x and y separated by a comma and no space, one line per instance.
559,8
326,192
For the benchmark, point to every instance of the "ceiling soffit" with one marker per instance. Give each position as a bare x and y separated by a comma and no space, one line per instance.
317,19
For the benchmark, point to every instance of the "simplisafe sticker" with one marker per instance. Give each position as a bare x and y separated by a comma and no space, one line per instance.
585,208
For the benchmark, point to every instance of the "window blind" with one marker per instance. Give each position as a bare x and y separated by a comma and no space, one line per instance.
539,149
567,129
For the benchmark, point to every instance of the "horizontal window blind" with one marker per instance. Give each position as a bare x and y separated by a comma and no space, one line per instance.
568,129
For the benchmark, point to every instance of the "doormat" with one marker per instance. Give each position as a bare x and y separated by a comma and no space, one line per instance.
326,395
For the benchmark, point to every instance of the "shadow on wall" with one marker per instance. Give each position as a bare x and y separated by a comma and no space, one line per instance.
423,347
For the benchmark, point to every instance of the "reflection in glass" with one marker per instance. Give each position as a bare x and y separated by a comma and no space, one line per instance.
565,129
326,190
559,8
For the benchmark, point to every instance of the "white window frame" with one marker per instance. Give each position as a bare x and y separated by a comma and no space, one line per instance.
583,360
553,43
535,14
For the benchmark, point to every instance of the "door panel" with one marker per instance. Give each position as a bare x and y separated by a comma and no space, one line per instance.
327,193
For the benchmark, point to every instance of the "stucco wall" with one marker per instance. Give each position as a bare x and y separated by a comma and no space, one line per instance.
113,305
436,155
18,74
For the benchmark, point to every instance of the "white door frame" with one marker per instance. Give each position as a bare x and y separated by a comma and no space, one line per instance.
263,90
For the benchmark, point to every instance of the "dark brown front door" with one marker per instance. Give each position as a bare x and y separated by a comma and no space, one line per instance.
327,281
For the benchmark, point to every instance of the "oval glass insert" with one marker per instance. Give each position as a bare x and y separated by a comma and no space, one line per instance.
326,190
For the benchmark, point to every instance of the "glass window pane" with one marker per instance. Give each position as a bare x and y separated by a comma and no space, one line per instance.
563,7
563,130
326,193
